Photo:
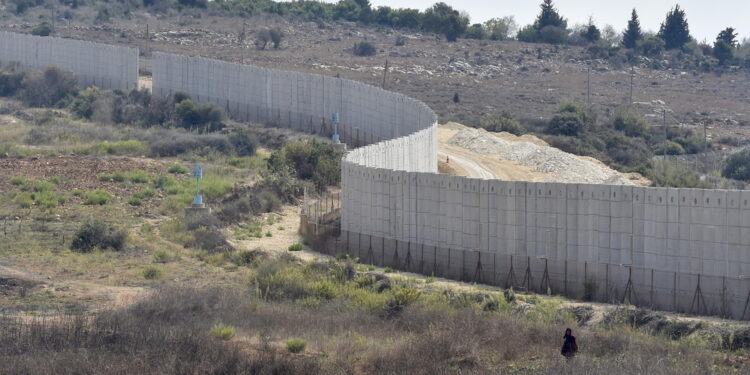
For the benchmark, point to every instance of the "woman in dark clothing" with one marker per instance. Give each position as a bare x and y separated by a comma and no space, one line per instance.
569,348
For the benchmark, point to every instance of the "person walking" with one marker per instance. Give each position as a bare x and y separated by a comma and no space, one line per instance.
569,347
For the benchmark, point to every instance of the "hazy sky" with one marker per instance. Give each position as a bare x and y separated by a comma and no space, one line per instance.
706,18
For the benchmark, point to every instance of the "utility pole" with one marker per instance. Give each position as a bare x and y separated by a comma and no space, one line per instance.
632,76
385,72
705,136
666,137
147,38
53,18
588,89
241,38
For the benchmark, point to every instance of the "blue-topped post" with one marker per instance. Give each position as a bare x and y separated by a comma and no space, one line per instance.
198,174
335,120
198,207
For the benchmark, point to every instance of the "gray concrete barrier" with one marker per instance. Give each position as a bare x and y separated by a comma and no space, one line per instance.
94,64
684,250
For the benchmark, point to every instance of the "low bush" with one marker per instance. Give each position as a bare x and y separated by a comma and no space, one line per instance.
97,235
571,119
98,197
45,89
309,160
668,148
138,177
202,117
17,180
133,201
737,166
177,169
162,256
152,273
364,49
296,247
42,29
223,332
631,124
296,345
502,122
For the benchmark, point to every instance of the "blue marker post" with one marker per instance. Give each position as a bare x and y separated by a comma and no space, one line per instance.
198,174
335,120
198,207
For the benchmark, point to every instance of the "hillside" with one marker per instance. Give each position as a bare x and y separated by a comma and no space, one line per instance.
103,271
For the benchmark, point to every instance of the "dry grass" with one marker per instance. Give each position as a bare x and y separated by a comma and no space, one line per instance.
332,310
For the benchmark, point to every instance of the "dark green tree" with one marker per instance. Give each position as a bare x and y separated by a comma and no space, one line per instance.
591,33
549,26
549,17
728,35
443,19
674,30
633,33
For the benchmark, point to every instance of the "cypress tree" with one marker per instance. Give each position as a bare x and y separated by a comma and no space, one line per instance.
549,17
674,30
633,33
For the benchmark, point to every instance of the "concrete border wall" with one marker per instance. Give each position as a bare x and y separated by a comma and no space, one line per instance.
672,249
94,64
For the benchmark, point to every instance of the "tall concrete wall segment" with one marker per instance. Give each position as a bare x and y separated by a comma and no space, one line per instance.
673,249
101,65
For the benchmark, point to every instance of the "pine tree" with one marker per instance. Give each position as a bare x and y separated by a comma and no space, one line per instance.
725,44
728,35
674,30
633,33
549,17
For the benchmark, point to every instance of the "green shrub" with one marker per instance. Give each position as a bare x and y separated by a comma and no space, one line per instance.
570,120
223,332
44,89
151,273
364,49
405,296
737,166
650,46
10,83
296,345
631,124
96,234
177,169
133,201
668,174
669,148
162,256
145,194
130,147
203,117
77,192
24,201
42,29
296,247
98,197
17,180
502,122
43,186
138,177
309,160
388,270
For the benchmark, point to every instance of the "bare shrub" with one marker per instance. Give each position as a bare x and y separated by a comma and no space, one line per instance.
45,89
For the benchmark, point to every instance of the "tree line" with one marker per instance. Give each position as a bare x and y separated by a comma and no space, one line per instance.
548,27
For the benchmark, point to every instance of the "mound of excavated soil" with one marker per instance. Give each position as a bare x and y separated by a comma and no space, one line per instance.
533,156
